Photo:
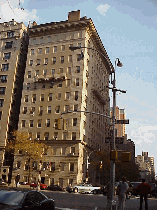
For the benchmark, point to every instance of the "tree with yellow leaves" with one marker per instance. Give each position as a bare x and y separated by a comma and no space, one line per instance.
27,147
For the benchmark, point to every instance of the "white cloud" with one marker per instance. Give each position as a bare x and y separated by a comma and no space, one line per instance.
103,8
10,10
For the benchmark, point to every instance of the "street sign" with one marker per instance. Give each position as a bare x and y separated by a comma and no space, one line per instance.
126,121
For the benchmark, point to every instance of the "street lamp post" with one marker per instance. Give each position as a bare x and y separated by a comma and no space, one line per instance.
114,90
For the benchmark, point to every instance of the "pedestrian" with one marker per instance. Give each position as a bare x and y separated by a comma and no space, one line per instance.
17,178
38,185
143,189
122,190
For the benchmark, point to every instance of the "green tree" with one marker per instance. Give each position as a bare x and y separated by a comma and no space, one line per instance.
26,147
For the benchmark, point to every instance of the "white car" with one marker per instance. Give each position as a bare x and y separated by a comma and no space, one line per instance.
85,188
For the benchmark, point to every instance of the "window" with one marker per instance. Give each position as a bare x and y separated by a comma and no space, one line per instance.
31,123
62,166
53,71
32,51
71,35
23,123
58,96
73,135
41,40
71,166
78,69
42,97
46,61
26,98
39,50
64,137
68,81
75,107
49,110
24,110
46,135
49,38
1,102
40,110
37,73
54,60
79,45
7,56
8,45
29,74
2,90
70,58
10,34
55,136
39,123
34,41
74,121
77,82
67,108
48,122
31,62
38,61
34,98
18,164
32,110
57,109
59,84
47,49
62,59
50,97
5,67
28,86
76,95
72,150
3,78
34,165
80,34
55,49
52,166
38,135
69,70
62,47
79,56
60,70
67,96
45,72
0,115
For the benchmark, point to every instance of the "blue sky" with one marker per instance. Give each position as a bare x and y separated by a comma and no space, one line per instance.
128,30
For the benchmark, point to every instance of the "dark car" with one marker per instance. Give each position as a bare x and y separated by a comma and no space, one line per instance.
153,191
21,200
133,186
69,189
55,188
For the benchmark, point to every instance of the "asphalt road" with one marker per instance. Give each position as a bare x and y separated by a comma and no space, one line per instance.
76,201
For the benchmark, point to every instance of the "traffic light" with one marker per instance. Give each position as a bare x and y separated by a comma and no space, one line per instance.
113,155
125,156
65,124
59,123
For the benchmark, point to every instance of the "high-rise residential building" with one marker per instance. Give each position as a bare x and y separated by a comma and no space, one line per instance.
146,166
58,80
120,115
13,52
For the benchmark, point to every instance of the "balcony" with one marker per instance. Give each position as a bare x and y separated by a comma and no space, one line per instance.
50,78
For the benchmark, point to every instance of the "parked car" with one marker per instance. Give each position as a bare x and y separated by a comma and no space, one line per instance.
69,189
55,188
153,191
20,200
132,188
85,188
42,186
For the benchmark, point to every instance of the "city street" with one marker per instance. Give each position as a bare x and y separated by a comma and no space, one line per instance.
67,201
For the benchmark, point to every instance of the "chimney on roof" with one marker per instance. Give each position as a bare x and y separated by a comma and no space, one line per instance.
74,16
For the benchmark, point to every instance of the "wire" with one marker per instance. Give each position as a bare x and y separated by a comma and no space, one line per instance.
11,7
